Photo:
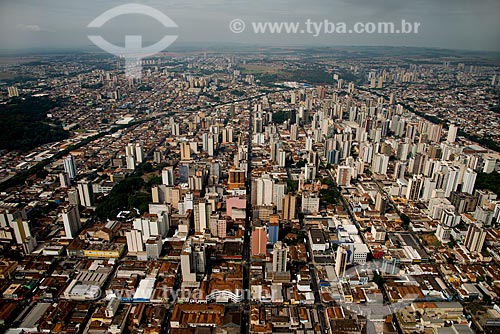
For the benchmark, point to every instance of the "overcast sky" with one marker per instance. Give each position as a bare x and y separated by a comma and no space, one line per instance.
454,24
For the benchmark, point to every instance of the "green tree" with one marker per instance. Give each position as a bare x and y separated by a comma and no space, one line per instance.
489,181
154,180
406,221
147,167
452,243
379,280
127,194
280,116
292,185
301,163
24,124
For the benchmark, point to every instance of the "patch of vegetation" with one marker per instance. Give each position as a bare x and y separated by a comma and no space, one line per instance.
291,236
406,221
237,92
495,109
96,85
379,280
292,185
24,124
280,117
332,194
489,181
301,163
452,243
126,195
154,181
312,75
350,76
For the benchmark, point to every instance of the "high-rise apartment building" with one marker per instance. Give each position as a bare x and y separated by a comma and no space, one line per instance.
340,261
134,241
452,133
344,176
259,241
474,239
280,253
86,193
70,166
167,176
469,180
185,151
289,211
71,221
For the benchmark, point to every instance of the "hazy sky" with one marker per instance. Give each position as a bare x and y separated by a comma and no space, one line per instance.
455,24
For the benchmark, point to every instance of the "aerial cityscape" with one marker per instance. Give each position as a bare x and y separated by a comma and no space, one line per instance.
250,189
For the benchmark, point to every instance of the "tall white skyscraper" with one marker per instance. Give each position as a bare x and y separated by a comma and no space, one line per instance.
380,163
309,172
86,193
340,261
281,158
474,240
134,241
130,156
167,176
13,92
130,160
344,176
193,261
154,225
309,144
204,141
278,193
294,132
452,133
130,150
452,180
64,180
70,166
469,181
448,220
176,130
71,221
202,211
280,253
185,151
154,246
310,203
210,145
139,153
21,229
264,190
403,149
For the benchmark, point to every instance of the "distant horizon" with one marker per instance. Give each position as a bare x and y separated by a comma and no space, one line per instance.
211,47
